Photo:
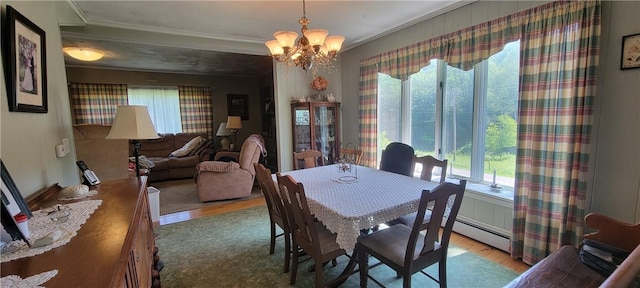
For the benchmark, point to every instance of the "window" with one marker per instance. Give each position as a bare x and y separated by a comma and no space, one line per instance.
163,104
467,117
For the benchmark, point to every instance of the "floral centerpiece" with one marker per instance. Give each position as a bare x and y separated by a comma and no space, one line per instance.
319,83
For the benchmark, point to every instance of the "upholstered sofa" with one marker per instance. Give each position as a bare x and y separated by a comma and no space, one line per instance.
219,180
564,268
168,166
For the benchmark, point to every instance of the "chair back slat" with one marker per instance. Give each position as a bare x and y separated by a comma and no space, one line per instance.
438,198
302,224
428,163
351,154
311,158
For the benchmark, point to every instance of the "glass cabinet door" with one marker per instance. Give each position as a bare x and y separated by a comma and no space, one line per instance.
302,129
325,132
316,127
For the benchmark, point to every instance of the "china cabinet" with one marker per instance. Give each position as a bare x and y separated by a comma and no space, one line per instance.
316,126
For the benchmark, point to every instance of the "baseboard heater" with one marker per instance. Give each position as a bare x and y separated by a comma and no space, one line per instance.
482,234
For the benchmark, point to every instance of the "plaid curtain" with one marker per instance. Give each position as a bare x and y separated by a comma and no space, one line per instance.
557,85
196,109
96,103
368,113
559,48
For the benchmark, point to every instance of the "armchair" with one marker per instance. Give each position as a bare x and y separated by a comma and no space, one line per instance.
217,180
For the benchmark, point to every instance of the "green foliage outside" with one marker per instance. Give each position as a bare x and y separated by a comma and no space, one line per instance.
500,139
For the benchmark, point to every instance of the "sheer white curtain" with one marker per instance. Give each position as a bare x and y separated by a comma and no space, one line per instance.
163,104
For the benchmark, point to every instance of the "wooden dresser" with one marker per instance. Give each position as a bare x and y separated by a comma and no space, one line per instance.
114,248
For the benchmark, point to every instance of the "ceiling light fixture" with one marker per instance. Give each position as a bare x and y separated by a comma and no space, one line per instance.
313,51
84,54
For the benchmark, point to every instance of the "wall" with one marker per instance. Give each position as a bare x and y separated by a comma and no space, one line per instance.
28,140
222,85
615,168
295,83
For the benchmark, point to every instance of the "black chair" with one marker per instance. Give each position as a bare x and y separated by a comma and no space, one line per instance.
397,158
277,212
406,250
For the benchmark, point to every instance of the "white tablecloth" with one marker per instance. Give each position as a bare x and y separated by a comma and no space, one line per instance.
346,208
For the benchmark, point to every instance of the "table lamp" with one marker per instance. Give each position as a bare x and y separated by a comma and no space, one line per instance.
234,123
223,132
133,123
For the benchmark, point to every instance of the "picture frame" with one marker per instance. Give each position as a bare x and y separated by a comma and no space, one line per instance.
11,196
630,57
25,64
238,105
12,204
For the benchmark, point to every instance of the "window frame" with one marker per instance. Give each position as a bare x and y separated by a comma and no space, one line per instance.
479,120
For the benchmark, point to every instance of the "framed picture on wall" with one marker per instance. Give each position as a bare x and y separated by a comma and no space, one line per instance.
238,105
630,52
26,69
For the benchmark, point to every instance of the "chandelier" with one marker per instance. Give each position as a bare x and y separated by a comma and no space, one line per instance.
313,51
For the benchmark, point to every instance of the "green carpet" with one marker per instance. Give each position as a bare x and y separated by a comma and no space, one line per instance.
232,250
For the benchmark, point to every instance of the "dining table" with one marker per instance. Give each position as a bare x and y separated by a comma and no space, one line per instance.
348,202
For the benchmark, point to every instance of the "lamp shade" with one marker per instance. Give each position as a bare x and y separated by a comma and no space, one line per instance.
234,122
84,54
334,43
223,130
132,123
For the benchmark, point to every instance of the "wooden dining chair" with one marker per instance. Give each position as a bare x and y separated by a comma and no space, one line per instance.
428,163
307,233
311,158
397,158
408,251
351,154
277,213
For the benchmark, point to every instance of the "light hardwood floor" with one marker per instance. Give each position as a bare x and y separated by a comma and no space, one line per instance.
488,252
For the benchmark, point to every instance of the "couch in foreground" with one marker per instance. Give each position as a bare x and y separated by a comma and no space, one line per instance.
563,268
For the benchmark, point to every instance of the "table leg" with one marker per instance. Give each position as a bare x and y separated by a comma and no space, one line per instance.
348,271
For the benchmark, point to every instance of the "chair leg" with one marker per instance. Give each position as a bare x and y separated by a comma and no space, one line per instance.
363,263
272,245
294,266
319,277
287,251
406,281
442,271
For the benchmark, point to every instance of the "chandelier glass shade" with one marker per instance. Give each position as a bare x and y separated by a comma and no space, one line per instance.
313,51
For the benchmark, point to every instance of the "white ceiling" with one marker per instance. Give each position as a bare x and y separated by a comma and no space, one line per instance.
221,37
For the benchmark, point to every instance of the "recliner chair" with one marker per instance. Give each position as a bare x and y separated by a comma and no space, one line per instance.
218,180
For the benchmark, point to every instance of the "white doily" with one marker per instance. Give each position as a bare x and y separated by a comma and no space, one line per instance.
90,193
40,225
34,281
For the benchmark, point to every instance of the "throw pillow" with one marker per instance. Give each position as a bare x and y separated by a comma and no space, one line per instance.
204,145
184,150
